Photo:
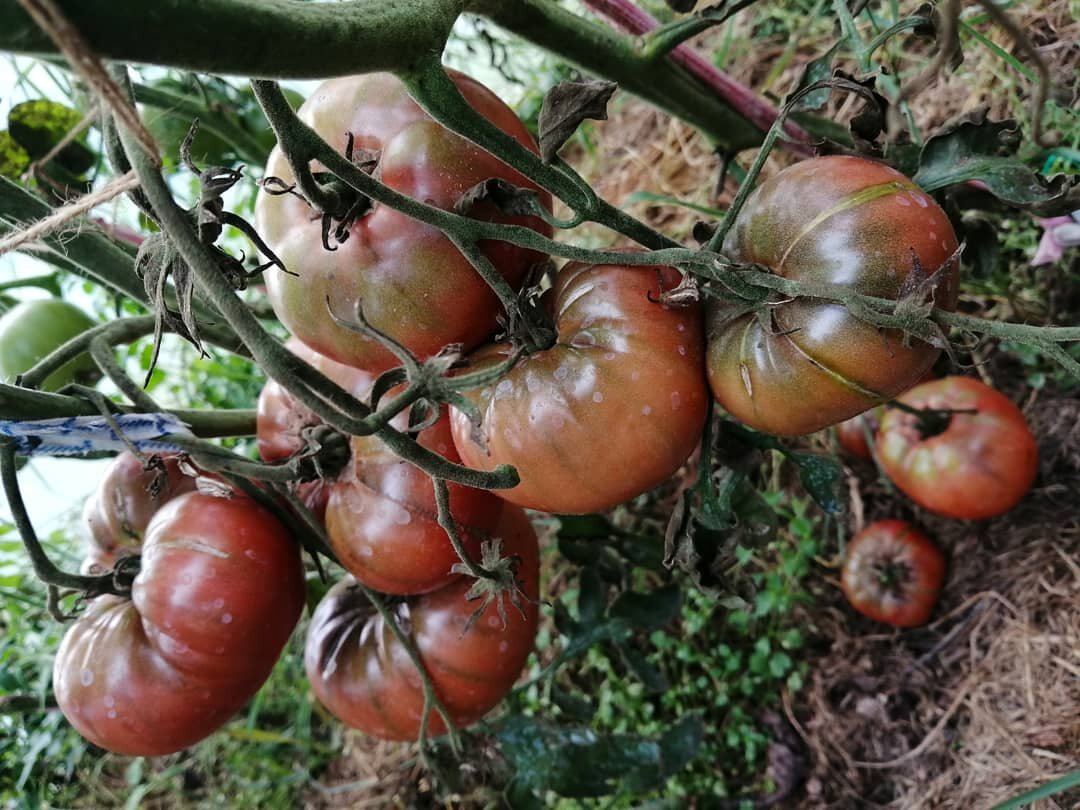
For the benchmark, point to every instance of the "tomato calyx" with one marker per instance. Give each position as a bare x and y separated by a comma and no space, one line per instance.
338,204
499,582
894,576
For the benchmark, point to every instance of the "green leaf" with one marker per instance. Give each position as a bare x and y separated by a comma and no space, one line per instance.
577,762
40,125
585,527
592,597
816,70
651,677
1069,780
977,149
574,705
823,479
647,611
13,158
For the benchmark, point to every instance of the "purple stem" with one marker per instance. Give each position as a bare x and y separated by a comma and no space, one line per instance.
628,17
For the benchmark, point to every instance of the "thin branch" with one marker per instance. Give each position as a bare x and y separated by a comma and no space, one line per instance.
44,568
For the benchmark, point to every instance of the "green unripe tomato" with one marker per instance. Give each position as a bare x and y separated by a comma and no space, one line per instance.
32,330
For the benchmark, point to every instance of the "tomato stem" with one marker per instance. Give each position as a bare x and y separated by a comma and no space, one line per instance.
930,422
44,568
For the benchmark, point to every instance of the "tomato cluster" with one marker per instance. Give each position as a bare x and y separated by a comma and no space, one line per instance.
613,405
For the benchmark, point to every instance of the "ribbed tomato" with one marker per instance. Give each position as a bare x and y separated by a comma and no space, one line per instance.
116,515
893,573
971,465
610,410
219,592
410,280
363,675
801,365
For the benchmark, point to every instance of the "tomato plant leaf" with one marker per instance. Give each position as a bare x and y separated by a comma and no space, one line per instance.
13,157
565,106
823,479
647,611
816,70
40,125
592,597
508,198
573,704
576,762
649,675
975,149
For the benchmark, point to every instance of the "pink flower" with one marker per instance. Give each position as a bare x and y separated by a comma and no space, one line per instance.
1058,233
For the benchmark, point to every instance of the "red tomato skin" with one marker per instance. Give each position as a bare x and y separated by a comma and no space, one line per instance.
280,418
220,590
412,282
979,467
116,516
897,542
382,519
835,220
851,433
609,411
360,672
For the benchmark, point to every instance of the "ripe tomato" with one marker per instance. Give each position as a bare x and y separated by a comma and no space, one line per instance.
360,672
413,284
612,409
803,365
976,465
382,519
116,515
893,573
280,419
851,433
220,590
33,329
380,512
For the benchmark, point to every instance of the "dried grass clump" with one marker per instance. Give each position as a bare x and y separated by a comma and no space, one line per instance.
369,773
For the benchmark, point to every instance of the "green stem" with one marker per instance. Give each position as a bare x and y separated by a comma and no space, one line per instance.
603,52
663,40
282,38
44,568
25,404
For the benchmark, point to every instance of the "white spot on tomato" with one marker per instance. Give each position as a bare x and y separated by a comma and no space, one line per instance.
646,410
597,397
676,400
226,618
86,677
